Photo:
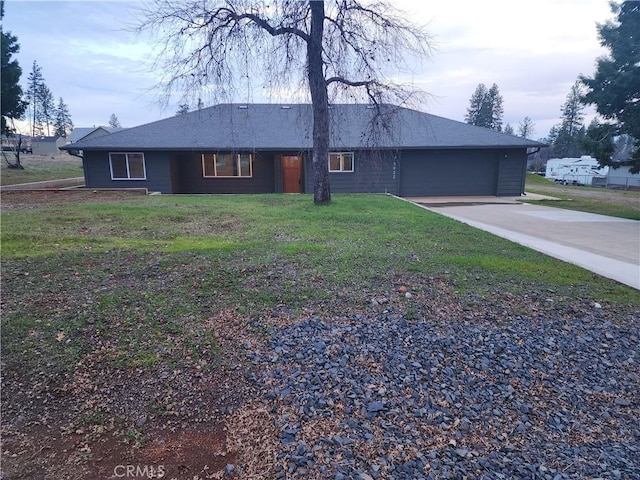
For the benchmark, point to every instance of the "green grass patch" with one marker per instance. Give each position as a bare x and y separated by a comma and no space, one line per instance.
529,268
535,179
139,281
590,206
358,237
38,168
615,203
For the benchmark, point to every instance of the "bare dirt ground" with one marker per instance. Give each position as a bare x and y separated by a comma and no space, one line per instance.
20,199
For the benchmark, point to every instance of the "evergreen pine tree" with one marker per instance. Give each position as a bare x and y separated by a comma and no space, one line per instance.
62,123
48,108
11,101
572,111
485,108
476,114
182,109
495,107
114,122
35,82
615,86
569,136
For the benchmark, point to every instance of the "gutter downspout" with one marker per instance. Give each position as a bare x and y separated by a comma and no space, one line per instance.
537,149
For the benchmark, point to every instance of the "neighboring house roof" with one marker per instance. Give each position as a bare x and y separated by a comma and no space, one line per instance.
46,139
278,126
79,133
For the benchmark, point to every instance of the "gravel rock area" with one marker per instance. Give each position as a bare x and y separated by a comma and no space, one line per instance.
383,397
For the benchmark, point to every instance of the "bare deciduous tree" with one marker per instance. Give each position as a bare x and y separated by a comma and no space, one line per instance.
339,50
526,128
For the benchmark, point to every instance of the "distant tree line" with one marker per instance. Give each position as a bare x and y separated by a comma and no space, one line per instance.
185,107
569,138
45,115
486,110
613,137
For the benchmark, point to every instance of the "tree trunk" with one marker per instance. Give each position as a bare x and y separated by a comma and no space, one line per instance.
16,154
33,125
319,106
18,151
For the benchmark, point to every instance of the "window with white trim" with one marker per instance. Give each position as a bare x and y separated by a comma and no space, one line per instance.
341,162
227,165
127,166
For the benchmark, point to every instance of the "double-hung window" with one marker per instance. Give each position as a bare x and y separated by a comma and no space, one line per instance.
127,166
227,164
341,162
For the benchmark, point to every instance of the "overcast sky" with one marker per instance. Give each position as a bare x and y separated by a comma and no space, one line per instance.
533,51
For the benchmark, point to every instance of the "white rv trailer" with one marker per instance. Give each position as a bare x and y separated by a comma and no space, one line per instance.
575,171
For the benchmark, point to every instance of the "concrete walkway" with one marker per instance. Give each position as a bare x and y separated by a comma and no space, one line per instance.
47,184
608,246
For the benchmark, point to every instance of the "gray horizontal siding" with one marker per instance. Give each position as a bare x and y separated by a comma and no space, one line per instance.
191,179
512,171
97,173
408,173
373,172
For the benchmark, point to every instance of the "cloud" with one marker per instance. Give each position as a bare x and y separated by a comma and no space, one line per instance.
533,51
87,57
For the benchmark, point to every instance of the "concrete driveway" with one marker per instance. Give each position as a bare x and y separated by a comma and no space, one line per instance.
608,246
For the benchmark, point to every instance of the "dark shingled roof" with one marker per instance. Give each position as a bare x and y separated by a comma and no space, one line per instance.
289,127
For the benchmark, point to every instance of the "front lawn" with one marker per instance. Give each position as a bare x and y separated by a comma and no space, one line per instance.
126,317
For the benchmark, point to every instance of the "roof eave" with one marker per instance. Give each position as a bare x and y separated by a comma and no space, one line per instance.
76,146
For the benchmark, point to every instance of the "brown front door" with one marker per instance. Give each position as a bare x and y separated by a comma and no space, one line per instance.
291,174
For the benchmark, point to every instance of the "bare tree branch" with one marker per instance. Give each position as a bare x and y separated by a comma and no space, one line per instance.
347,50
